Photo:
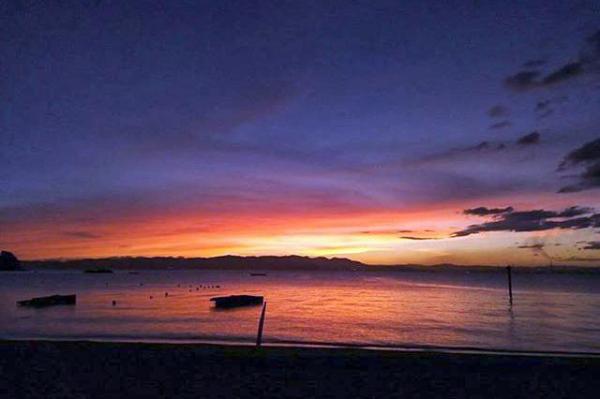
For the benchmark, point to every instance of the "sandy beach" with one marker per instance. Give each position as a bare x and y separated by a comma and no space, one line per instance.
45,369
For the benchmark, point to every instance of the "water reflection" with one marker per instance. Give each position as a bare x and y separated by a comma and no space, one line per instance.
390,309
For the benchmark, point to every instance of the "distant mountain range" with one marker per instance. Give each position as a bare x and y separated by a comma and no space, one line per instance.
292,262
220,262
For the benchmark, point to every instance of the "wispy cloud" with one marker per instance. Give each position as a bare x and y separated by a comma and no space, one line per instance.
485,148
537,247
574,218
547,107
592,245
580,259
585,63
484,211
415,238
529,139
522,81
498,111
500,125
588,156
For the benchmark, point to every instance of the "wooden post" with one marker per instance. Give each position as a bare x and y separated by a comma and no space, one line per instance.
260,325
510,296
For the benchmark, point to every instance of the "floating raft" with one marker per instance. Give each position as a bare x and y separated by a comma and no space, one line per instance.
98,270
234,301
49,301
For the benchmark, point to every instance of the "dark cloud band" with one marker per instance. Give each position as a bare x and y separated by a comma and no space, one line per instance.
534,220
588,155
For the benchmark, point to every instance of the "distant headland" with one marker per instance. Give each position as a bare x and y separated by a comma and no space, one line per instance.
9,262
272,263
228,262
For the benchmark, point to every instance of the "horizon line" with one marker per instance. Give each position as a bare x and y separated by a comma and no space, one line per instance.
422,265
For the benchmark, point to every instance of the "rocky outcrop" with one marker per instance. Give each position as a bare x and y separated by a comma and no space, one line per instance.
8,261
53,300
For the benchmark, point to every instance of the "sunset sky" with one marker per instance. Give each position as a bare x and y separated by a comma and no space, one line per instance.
386,132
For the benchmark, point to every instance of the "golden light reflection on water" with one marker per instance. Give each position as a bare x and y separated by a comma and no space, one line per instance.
390,309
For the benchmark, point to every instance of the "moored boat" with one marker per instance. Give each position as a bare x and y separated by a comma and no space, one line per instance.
98,270
234,301
52,300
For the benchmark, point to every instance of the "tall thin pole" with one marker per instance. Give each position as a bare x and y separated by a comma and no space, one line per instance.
261,324
508,271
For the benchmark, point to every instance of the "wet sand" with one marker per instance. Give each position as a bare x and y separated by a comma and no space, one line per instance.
44,369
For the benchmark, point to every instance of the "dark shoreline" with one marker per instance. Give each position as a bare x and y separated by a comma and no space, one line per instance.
77,369
300,345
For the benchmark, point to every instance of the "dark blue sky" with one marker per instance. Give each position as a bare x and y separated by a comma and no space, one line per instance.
214,112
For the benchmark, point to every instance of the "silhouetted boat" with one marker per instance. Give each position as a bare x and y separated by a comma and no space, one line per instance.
49,301
258,274
234,301
98,270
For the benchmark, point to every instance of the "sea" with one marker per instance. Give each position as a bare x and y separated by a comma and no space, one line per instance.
462,310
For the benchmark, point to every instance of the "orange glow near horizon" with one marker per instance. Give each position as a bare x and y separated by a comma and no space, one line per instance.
370,237
196,235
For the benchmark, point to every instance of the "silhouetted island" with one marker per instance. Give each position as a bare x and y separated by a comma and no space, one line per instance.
45,301
9,262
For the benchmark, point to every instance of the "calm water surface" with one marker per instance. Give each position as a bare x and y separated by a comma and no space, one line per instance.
551,312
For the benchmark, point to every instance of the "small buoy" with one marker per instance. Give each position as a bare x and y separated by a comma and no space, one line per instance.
197,288
150,296
166,294
179,285
114,303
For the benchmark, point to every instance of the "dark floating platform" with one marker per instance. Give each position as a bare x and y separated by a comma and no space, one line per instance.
234,301
53,300
258,274
98,270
